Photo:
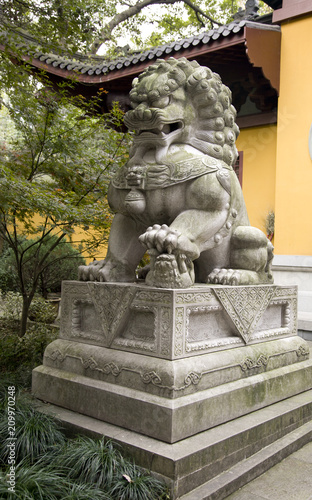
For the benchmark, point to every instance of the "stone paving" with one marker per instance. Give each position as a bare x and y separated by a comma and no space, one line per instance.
291,479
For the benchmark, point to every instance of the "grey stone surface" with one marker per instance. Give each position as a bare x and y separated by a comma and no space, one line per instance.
171,394
178,195
174,324
166,419
215,462
291,479
297,269
178,378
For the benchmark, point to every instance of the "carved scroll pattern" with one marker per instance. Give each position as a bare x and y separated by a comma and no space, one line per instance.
110,368
184,298
151,377
165,328
249,363
153,297
179,323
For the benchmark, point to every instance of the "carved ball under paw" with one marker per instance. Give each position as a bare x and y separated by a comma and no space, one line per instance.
166,273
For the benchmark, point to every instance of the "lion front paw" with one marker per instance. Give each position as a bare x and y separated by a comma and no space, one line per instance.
162,238
167,240
106,270
90,272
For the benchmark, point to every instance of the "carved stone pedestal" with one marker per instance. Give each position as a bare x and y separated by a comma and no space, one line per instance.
171,364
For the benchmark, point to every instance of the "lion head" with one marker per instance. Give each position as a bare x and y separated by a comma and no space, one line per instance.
180,102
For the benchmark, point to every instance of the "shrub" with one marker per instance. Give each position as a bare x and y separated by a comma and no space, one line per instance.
8,275
61,264
11,305
136,484
79,491
17,353
51,468
42,482
91,461
41,311
36,482
100,463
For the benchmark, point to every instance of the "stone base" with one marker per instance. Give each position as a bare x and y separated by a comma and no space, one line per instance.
169,363
214,463
182,371
171,400
297,269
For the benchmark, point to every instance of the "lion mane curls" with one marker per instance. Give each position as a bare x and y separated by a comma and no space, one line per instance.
215,131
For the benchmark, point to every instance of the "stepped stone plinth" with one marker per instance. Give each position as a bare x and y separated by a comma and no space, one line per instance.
172,363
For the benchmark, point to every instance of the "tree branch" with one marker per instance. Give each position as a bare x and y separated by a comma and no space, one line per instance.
105,33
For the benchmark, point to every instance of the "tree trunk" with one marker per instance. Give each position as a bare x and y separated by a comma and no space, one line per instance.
23,324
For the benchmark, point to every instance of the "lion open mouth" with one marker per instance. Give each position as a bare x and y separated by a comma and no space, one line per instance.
162,131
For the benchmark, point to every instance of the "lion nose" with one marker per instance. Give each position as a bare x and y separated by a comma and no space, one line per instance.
142,113
139,112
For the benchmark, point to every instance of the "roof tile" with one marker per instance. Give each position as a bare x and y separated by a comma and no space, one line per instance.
97,65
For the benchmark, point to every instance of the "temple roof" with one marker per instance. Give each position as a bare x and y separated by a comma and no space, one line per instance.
245,53
98,66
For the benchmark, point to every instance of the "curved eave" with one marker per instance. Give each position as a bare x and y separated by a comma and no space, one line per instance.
245,54
261,43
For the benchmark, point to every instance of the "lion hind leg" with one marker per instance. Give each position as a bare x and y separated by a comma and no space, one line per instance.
251,255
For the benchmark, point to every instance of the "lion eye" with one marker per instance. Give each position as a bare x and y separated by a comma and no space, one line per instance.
162,102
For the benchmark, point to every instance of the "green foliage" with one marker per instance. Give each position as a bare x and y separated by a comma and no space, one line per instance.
73,23
33,482
136,484
41,311
36,434
94,462
59,164
54,175
84,26
270,223
79,491
8,276
60,264
40,482
11,305
18,353
50,467
101,464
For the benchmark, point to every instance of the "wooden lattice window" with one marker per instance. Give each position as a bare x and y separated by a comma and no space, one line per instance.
238,167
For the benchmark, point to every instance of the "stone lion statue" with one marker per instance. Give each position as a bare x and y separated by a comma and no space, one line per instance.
178,196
